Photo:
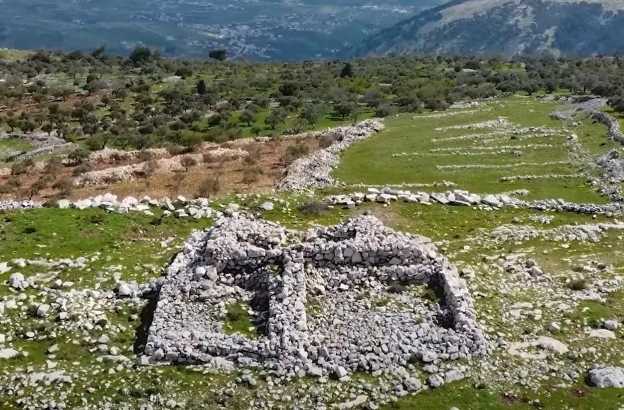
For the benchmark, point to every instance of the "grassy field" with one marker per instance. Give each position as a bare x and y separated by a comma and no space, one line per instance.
136,247
420,149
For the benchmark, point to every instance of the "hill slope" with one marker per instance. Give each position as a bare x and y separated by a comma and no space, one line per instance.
505,26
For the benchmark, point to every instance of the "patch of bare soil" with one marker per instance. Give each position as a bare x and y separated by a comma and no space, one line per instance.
258,172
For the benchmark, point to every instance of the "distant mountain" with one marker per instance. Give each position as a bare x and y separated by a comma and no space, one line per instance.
506,27
249,29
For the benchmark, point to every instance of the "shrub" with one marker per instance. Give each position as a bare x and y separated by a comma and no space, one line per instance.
313,208
22,167
149,168
96,219
578,284
188,162
254,155
384,110
209,187
29,229
82,169
53,166
78,156
252,174
207,158
64,186
326,140
176,150
11,185
144,155
295,152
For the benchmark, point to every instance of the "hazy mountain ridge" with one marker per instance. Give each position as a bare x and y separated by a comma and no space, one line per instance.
507,27
251,29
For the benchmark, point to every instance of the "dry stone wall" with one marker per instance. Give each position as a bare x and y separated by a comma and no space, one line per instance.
313,171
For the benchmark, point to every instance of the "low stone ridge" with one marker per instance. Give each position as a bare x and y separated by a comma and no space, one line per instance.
285,278
465,198
313,171
10,205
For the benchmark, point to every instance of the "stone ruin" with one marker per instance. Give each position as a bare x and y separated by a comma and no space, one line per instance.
285,276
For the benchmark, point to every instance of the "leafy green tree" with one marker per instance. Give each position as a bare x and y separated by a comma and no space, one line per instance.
201,87
218,54
247,116
275,117
78,156
347,71
345,108
311,113
256,130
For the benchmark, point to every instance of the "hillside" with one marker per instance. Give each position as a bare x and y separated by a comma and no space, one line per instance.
249,29
184,234
505,26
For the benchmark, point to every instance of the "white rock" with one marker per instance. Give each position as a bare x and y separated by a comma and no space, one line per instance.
43,310
8,353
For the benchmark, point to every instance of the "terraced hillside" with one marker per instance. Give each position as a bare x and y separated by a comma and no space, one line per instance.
526,252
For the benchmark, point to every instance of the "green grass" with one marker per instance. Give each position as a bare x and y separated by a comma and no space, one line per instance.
372,161
9,146
466,397
238,320
127,244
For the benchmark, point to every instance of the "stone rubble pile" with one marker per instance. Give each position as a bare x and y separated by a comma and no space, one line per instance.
10,205
179,207
450,113
514,178
501,166
517,133
313,171
461,152
612,125
465,198
279,274
500,122
564,233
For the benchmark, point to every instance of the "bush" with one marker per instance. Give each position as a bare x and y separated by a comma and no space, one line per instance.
144,155
209,187
29,230
53,166
78,156
188,162
64,186
96,219
82,169
254,155
295,152
11,185
578,284
252,174
208,158
384,111
22,167
326,140
176,150
313,208
149,168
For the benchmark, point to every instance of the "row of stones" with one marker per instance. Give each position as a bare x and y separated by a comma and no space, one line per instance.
464,198
313,171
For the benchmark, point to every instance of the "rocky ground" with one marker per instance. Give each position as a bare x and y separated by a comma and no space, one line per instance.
465,287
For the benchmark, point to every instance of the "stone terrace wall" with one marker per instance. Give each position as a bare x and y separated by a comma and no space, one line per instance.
611,123
313,171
